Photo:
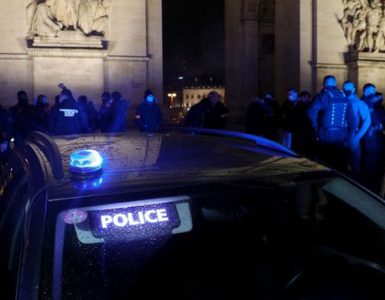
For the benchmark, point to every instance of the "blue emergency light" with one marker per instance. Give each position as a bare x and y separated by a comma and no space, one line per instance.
85,162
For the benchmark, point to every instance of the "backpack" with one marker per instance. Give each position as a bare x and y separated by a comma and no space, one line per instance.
333,125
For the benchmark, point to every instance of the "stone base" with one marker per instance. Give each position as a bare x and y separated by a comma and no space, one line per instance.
68,39
81,70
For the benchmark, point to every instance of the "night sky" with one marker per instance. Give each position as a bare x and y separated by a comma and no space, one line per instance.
193,38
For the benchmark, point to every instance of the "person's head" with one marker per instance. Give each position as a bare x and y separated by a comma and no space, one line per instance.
42,100
268,96
105,97
149,96
349,88
379,97
330,81
22,98
65,95
369,89
116,96
82,99
305,97
292,95
214,97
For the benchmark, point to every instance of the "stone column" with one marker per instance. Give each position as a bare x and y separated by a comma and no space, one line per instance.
287,47
155,47
306,45
242,58
330,46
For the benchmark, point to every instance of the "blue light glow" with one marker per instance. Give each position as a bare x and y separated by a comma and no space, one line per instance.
88,184
85,161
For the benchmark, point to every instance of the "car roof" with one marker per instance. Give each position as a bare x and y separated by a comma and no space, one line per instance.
135,159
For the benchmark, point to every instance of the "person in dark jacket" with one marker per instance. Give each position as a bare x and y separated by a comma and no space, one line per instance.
68,116
258,117
118,113
148,116
23,119
334,122
296,124
105,112
6,133
90,111
41,114
195,115
373,141
218,114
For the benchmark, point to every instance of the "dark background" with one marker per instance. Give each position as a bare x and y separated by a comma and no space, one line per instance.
193,39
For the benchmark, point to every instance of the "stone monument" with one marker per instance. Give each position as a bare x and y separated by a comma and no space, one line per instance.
90,45
363,24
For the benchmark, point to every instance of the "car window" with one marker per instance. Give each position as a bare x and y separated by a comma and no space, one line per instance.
234,239
14,198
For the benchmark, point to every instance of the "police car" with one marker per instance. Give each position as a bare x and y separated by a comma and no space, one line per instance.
184,214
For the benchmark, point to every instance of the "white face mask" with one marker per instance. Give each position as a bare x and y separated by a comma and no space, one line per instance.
292,97
150,98
369,91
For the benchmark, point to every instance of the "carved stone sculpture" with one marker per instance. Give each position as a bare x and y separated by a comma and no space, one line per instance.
92,16
43,23
364,25
65,12
46,18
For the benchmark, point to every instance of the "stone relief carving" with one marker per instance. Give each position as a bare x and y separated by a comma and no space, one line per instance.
363,23
47,18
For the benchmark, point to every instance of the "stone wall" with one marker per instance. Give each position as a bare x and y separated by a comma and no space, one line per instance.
310,44
130,62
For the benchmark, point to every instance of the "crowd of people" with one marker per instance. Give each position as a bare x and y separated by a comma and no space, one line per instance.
335,126
73,116
210,112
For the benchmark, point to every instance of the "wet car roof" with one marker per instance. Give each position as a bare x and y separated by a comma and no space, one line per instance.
136,159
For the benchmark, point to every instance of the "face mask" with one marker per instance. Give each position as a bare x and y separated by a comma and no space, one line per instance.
292,98
150,98
348,93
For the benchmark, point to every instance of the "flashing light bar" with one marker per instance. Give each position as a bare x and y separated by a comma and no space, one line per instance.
85,162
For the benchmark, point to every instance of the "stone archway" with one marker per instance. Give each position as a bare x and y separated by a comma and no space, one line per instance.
249,28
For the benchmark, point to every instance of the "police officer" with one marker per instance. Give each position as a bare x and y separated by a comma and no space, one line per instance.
148,116
68,116
373,140
333,119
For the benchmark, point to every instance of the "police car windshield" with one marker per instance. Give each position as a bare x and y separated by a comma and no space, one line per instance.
208,240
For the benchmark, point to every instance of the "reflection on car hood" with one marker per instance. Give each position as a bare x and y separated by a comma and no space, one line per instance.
171,158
